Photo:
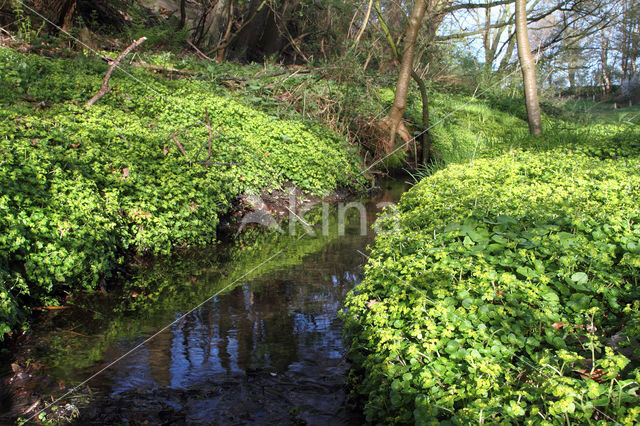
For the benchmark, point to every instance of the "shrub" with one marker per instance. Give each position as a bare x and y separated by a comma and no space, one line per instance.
504,291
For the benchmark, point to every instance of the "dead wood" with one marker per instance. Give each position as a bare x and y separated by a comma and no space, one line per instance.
180,147
163,68
198,51
104,89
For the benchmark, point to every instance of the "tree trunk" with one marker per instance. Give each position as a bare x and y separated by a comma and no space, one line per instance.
406,66
183,14
364,23
426,136
572,75
59,12
528,69
504,63
604,61
66,15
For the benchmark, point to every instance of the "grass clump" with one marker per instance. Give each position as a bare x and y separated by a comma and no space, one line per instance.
505,290
85,187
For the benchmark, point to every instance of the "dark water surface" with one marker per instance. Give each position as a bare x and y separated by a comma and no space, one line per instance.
268,349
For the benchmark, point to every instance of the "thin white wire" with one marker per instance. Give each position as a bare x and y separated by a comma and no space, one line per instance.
277,173
163,329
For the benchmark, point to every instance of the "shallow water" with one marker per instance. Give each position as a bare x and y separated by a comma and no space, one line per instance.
268,349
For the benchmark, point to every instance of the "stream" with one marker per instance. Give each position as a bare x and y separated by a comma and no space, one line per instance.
267,349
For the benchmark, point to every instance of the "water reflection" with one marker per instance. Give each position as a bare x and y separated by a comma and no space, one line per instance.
270,350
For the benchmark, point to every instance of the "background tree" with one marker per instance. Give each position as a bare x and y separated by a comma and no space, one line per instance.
394,118
528,69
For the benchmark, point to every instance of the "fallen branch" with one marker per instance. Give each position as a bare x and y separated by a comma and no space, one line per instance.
104,89
51,308
199,52
163,68
180,147
77,334
225,78
213,163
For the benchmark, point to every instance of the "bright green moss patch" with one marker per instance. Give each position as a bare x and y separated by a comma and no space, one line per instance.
505,291
82,187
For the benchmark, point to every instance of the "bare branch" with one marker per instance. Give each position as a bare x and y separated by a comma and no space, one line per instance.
104,89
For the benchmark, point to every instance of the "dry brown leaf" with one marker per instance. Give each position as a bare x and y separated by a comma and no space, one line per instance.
587,374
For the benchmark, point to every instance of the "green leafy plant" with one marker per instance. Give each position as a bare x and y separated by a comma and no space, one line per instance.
83,189
502,291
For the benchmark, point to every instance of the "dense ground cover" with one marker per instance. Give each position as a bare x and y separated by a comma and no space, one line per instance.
506,289
439,327
83,187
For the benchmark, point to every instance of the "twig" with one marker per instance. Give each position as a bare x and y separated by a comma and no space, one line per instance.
180,147
213,163
51,308
206,114
77,334
198,51
211,135
6,32
31,407
163,68
104,89
231,78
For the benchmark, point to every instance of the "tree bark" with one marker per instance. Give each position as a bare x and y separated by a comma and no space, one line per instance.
183,14
528,69
604,60
364,23
60,13
66,15
406,66
426,136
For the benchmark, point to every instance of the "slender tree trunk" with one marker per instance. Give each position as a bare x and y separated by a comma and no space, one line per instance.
604,58
572,75
364,23
406,66
222,52
504,63
183,13
528,69
66,15
426,136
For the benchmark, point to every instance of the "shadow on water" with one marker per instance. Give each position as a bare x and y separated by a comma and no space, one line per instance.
268,349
